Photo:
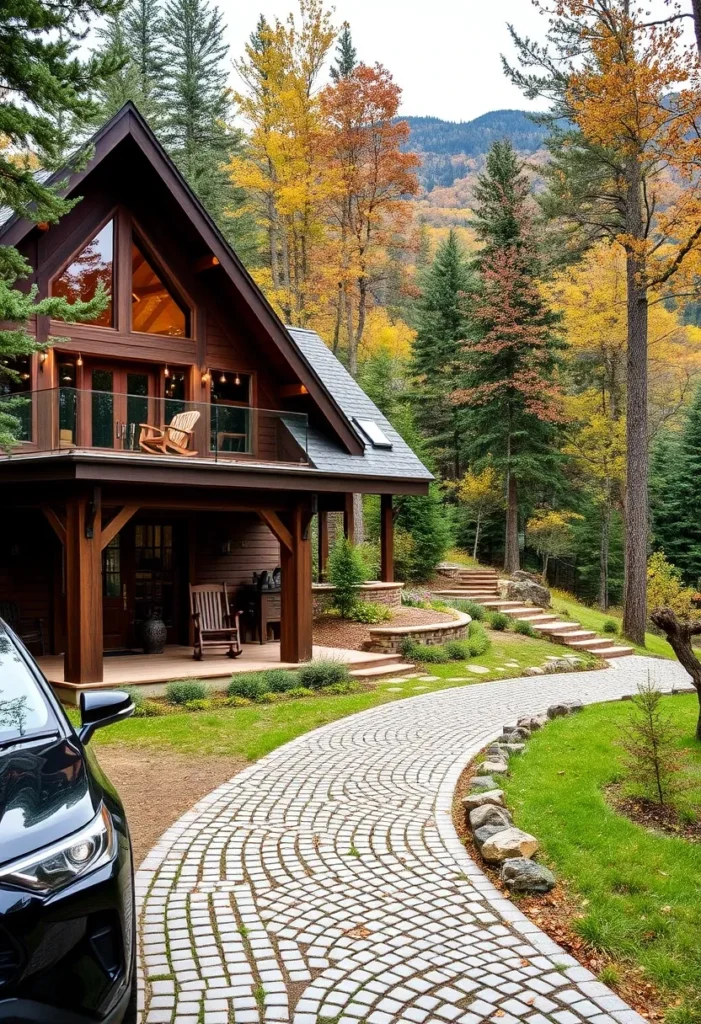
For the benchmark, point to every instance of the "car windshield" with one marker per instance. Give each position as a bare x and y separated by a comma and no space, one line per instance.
24,711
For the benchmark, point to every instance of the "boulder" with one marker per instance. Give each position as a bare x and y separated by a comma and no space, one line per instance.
492,797
558,665
538,721
522,875
573,706
534,670
489,815
508,843
557,711
515,748
492,767
486,833
524,590
482,783
528,577
519,735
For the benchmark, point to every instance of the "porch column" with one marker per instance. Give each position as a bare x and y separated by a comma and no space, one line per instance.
296,595
83,658
322,523
349,518
386,539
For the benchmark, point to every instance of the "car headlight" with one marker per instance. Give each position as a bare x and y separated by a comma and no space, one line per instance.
57,865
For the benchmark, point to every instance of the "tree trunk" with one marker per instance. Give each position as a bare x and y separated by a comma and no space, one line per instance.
362,309
546,559
477,536
635,584
359,522
511,556
604,545
679,634
696,8
339,319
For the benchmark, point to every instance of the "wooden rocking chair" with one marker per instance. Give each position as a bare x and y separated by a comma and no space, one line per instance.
214,626
176,437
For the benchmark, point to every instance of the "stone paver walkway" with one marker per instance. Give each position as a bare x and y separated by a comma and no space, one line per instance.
326,882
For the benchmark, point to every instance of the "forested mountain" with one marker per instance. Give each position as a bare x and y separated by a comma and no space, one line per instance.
449,148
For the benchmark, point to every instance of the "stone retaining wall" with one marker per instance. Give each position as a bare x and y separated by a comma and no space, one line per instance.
374,592
388,639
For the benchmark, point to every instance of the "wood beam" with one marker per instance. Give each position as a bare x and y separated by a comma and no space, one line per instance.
293,390
83,659
386,539
296,594
323,538
55,522
111,529
273,521
349,518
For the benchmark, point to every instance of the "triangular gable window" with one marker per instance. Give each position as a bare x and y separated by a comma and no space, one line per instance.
154,309
94,263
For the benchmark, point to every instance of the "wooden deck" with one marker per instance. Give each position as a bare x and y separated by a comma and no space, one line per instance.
153,671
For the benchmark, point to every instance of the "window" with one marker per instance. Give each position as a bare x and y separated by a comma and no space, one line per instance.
374,434
94,263
112,569
16,395
154,310
231,415
24,710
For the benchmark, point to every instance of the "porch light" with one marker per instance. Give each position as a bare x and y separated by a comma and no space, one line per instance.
222,379
237,380
206,376
166,372
43,356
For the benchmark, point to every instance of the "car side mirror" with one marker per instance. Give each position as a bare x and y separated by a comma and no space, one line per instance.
102,707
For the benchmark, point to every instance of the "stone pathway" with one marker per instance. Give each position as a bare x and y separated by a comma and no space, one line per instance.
326,883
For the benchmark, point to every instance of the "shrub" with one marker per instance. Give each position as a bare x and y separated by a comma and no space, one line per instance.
137,697
407,646
652,759
524,628
478,643
610,626
280,680
457,650
475,611
665,587
433,654
369,611
299,691
237,702
148,709
184,690
370,554
251,685
415,598
271,698
346,572
427,521
317,675
499,621
198,705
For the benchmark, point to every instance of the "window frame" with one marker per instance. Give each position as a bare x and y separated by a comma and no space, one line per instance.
114,327
138,238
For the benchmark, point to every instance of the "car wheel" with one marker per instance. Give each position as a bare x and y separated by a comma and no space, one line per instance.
132,1014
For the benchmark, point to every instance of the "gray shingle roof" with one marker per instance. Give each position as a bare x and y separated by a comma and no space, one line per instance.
326,454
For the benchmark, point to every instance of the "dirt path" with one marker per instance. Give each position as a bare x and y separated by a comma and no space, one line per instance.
158,787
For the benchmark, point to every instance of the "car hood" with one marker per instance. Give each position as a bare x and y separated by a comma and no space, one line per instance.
45,794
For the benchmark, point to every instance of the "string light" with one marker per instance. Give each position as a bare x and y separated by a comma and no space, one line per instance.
166,372
237,380
79,360
222,379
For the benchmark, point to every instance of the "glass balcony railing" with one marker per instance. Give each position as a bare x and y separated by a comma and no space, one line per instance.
65,419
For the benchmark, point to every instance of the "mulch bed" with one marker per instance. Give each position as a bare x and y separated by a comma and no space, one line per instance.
556,914
330,631
653,816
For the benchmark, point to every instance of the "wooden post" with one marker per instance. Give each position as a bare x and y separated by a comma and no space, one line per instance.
386,539
83,658
296,596
323,537
349,518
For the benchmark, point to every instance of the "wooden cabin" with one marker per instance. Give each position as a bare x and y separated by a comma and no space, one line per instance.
184,436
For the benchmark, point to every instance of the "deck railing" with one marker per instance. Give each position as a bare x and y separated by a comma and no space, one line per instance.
68,419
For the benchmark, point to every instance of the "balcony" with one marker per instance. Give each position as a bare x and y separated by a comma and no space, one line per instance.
68,419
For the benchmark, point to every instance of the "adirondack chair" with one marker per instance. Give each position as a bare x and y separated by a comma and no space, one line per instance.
215,627
176,437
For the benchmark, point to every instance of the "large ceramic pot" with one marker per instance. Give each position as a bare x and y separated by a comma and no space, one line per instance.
153,634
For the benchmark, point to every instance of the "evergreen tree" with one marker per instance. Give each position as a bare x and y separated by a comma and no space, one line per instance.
197,109
507,390
44,84
346,58
136,39
442,324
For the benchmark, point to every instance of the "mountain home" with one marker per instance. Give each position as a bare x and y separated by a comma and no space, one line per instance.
185,436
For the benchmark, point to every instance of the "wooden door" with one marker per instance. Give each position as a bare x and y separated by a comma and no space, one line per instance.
158,567
118,400
116,618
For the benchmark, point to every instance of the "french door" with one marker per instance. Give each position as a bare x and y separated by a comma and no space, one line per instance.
119,399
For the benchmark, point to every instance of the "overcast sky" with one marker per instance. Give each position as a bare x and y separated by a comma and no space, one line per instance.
443,53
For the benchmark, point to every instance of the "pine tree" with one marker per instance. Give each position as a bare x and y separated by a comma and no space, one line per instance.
197,108
507,391
346,59
44,84
442,324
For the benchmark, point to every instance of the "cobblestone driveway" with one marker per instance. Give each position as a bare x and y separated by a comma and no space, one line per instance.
326,881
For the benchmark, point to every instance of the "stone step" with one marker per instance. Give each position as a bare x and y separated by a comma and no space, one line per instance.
378,671
502,605
612,652
518,610
560,628
536,618
591,641
582,637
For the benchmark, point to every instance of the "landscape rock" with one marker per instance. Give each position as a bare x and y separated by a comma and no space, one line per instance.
528,577
558,665
534,670
538,721
519,735
489,815
486,833
522,875
515,748
573,706
482,783
492,767
525,590
558,711
493,797
508,843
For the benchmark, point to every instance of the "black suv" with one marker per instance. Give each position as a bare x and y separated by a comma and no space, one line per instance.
67,922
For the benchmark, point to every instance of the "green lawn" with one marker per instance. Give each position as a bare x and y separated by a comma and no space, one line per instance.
254,731
638,891
591,618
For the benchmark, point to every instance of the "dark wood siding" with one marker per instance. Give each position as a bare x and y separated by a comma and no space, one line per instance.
29,557
253,548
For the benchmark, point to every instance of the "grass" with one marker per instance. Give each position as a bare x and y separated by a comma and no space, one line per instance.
251,732
591,618
638,891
